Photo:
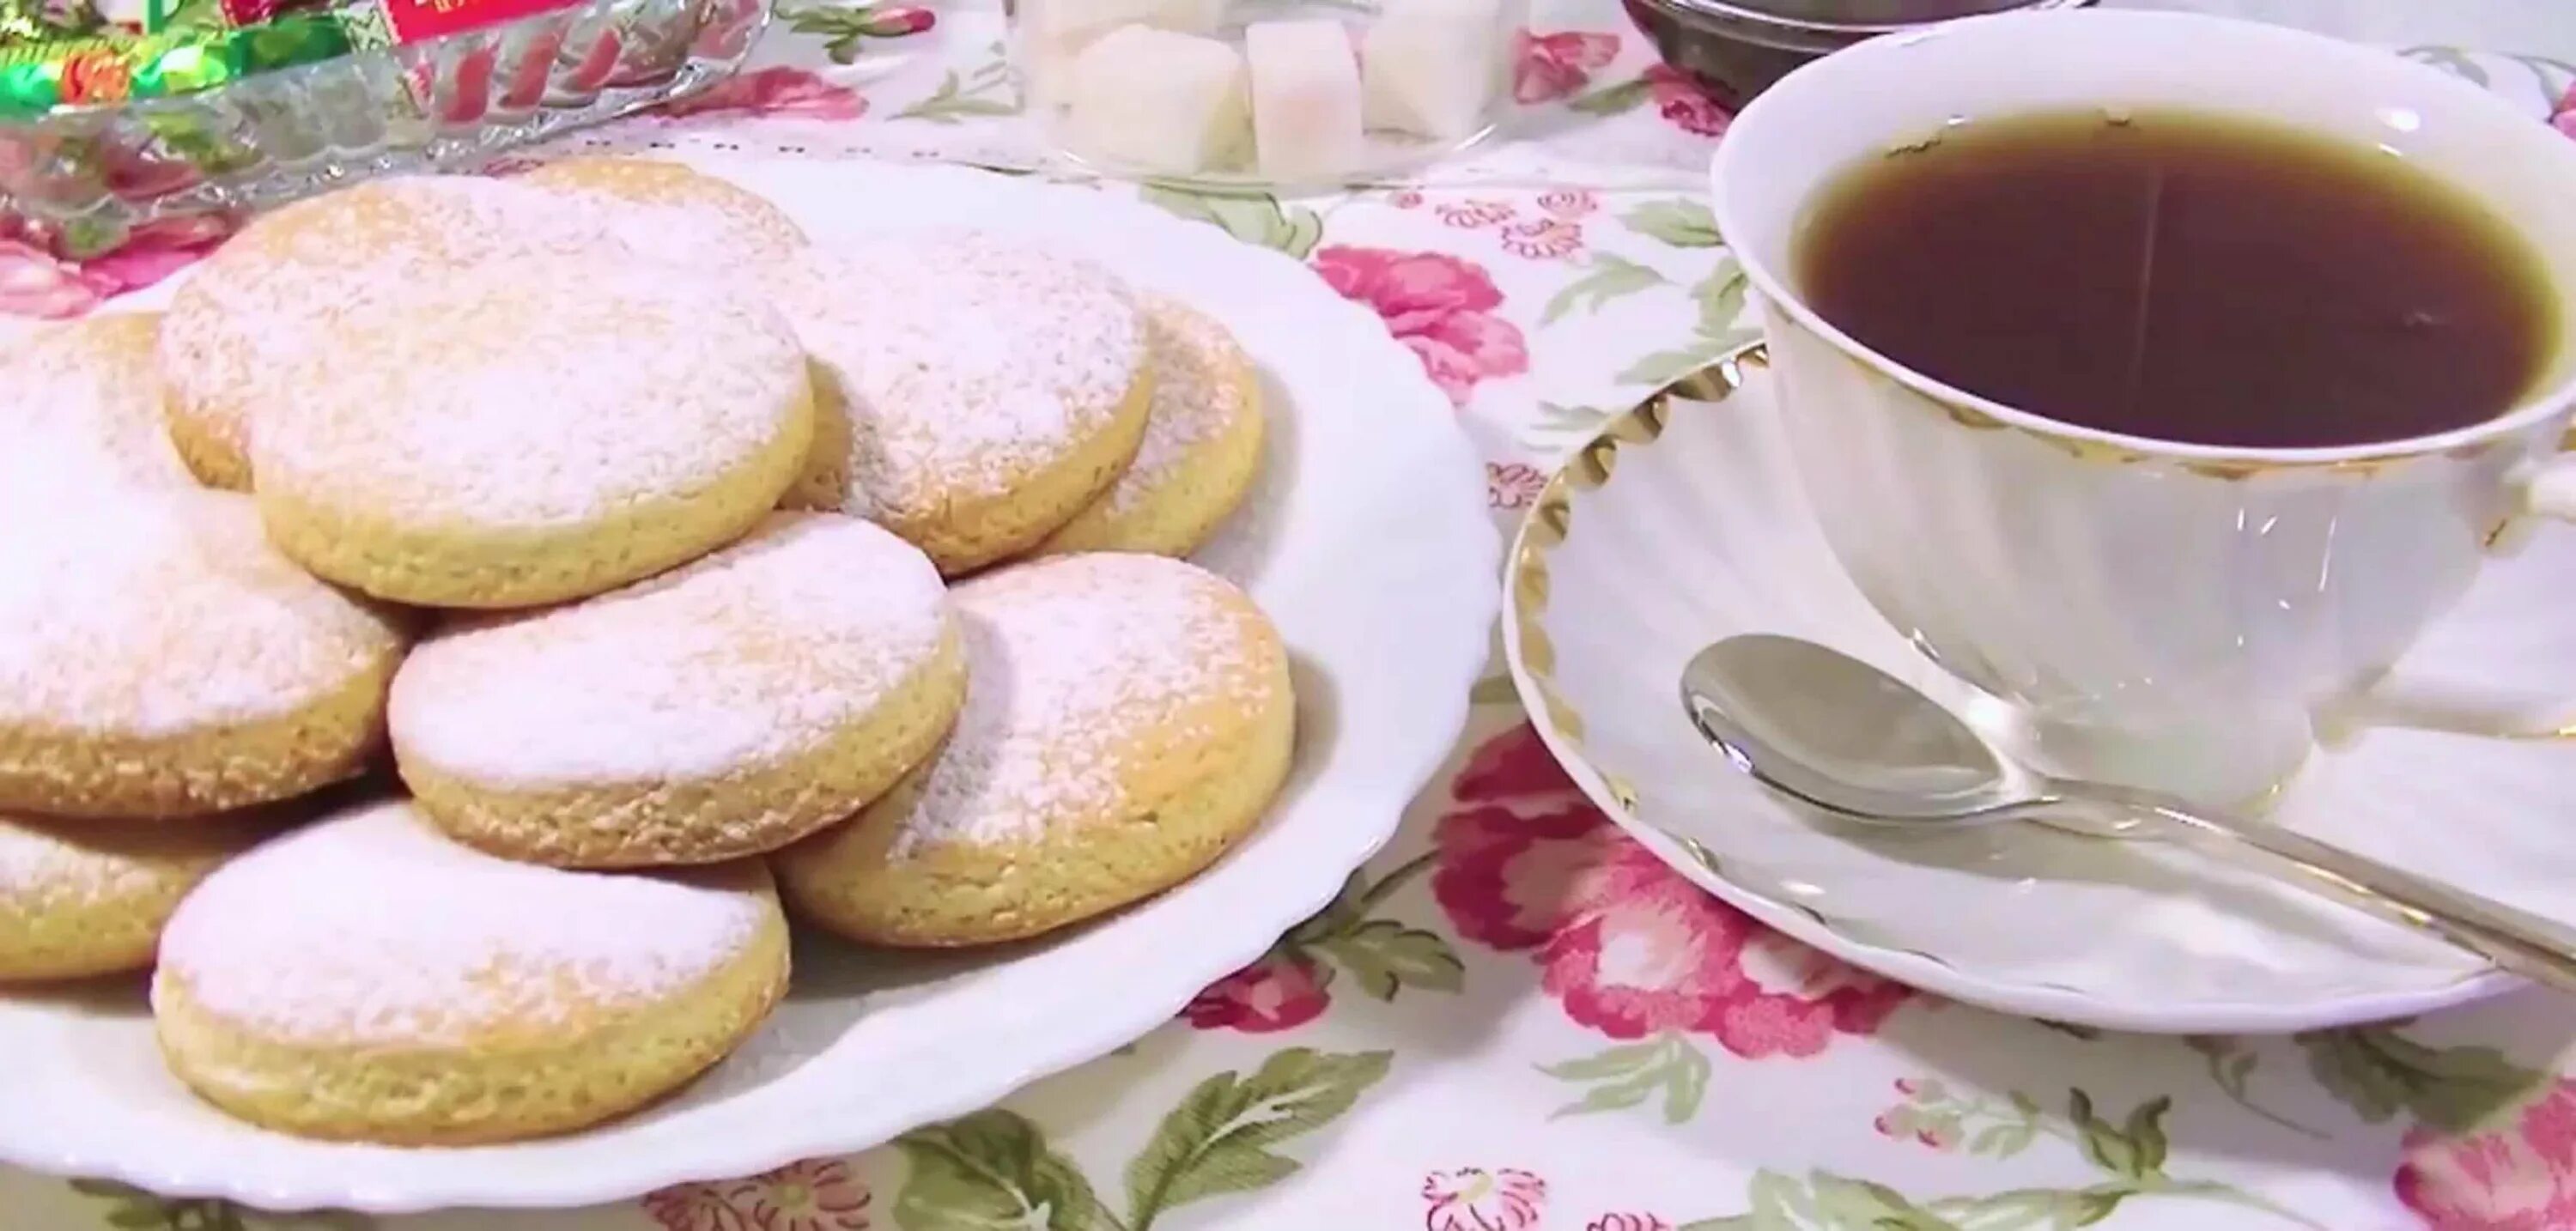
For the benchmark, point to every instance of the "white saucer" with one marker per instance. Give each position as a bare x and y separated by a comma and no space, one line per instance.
1681,524
1367,542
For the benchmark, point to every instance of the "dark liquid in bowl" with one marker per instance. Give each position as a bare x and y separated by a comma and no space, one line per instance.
2185,277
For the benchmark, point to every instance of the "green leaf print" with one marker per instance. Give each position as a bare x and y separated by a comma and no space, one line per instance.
1665,367
984,93
1253,217
1382,955
990,1170
846,28
1610,277
2230,1064
2132,1153
1386,956
1680,223
1627,1075
1721,297
2379,1072
1219,1139
132,1209
1611,100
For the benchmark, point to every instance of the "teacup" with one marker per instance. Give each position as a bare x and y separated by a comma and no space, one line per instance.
2163,614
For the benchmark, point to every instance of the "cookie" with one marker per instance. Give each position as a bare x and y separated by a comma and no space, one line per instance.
250,319
1201,449
81,898
723,709
668,212
532,431
159,658
85,413
1127,719
972,394
366,979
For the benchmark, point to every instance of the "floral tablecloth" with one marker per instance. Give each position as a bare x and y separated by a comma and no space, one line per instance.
1514,1019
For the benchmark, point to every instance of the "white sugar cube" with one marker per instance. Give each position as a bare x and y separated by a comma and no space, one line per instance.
1052,32
1433,67
1158,100
1305,98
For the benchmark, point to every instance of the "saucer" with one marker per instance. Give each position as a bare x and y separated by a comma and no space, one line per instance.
1681,523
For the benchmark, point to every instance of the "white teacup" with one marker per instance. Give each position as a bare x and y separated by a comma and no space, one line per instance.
2164,614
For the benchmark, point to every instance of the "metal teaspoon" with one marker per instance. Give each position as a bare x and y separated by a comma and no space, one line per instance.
1840,735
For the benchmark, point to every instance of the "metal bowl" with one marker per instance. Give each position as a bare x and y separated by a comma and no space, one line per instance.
1737,48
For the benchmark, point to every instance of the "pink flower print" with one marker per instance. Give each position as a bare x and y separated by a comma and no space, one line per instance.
1512,485
1546,67
1568,203
1469,215
1474,1199
1627,946
2520,1177
1276,993
2565,120
35,284
778,91
818,1194
1513,767
1543,239
694,1207
1628,1222
1680,98
1439,306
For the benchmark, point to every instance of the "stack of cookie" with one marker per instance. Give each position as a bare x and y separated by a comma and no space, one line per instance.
653,550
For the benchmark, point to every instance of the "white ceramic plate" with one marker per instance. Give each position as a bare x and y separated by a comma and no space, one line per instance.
1367,542
1679,525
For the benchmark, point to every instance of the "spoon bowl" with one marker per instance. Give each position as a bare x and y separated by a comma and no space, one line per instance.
1840,735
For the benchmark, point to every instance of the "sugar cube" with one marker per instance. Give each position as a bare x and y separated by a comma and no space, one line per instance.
1158,100
1050,33
1305,98
1432,67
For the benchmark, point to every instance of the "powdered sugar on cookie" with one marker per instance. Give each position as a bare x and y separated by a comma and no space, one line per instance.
85,410
1073,661
1199,375
743,659
965,362
252,315
372,927
538,393
161,612
666,211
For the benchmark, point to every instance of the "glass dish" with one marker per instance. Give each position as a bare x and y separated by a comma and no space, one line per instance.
1737,48
1280,93
81,179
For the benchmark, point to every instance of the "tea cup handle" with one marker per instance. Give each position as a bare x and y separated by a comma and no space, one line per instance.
2550,489
2544,489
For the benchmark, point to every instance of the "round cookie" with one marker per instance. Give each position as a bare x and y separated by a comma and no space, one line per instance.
159,658
1201,449
972,394
1127,719
723,709
532,431
82,898
669,212
366,979
248,321
85,403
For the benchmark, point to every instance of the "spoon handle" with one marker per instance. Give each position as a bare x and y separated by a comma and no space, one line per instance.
2525,944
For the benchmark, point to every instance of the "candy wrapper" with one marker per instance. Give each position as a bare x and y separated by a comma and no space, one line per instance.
110,66
200,44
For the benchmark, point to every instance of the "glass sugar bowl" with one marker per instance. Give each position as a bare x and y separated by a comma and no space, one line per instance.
1285,93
